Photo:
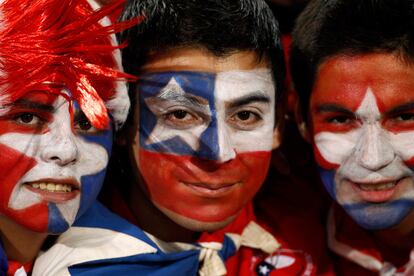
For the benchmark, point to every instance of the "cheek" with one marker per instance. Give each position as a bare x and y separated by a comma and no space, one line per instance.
13,166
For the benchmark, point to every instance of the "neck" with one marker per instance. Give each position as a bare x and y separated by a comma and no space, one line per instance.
397,242
152,220
20,244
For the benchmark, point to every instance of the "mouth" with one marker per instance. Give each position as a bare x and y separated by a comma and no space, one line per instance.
54,190
212,190
376,192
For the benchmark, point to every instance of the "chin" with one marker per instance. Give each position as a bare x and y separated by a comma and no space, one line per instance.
196,225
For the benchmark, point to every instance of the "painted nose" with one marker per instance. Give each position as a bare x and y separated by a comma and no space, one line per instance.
215,144
374,151
61,150
226,147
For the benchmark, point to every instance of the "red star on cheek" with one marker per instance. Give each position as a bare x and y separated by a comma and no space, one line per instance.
13,166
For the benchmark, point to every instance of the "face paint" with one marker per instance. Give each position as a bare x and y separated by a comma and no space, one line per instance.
51,167
362,118
211,133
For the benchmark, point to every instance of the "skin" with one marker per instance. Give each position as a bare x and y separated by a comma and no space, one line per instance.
214,212
44,147
362,128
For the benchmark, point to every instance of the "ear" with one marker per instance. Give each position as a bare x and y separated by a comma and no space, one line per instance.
277,139
301,124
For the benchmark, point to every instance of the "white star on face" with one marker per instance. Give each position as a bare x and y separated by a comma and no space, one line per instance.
368,147
335,147
173,98
60,155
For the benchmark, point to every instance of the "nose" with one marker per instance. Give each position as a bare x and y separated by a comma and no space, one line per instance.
61,150
226,147
215,144
374,151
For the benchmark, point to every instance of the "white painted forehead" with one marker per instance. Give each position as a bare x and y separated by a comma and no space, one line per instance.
241,82
263,74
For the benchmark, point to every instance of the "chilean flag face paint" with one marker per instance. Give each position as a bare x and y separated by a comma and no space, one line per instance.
51,166
362,118
205,139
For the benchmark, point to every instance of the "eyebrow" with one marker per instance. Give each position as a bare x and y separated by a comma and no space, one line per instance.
185,99
33,105
257,96
333,108
401,108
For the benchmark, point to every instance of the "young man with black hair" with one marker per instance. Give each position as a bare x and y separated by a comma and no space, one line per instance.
198,143
352,65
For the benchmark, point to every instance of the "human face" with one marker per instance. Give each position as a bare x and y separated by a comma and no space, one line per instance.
51,166
205,137
362,118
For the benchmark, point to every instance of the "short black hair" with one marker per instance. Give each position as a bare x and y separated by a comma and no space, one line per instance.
329,28
221,27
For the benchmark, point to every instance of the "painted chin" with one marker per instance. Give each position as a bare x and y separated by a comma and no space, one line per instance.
380,191
53,190
194,224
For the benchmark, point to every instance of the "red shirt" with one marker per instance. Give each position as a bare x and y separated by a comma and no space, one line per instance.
347,234
247,261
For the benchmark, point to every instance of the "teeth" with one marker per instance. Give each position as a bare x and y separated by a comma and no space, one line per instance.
51,187
377,187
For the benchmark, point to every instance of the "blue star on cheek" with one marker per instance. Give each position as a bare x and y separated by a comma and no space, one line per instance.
201,141
90,186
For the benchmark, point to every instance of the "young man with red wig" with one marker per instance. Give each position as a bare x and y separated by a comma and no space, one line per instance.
62,96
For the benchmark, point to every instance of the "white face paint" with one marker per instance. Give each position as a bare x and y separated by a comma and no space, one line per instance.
215,108
66,155
232,88
368,154
362,121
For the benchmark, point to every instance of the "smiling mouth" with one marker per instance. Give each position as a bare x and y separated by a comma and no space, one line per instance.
52,187
377,187
377,192
57,191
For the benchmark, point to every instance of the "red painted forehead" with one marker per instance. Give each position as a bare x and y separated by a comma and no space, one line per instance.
344,80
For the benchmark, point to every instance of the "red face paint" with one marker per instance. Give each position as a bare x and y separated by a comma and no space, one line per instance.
13,165
203,190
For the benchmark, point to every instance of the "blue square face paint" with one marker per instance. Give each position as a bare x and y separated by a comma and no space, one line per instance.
165,96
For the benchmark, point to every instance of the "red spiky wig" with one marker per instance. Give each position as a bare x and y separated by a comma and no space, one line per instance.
57,45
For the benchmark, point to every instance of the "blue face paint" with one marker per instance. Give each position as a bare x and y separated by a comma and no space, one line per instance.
90,185
328,180
192,92
371,216
379,216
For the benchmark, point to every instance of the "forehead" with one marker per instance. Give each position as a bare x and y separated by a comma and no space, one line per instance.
224,85
195,59
344,80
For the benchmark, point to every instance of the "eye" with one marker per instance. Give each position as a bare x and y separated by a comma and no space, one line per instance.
28,119
181,118
245,119
84,126
340,119
405,117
